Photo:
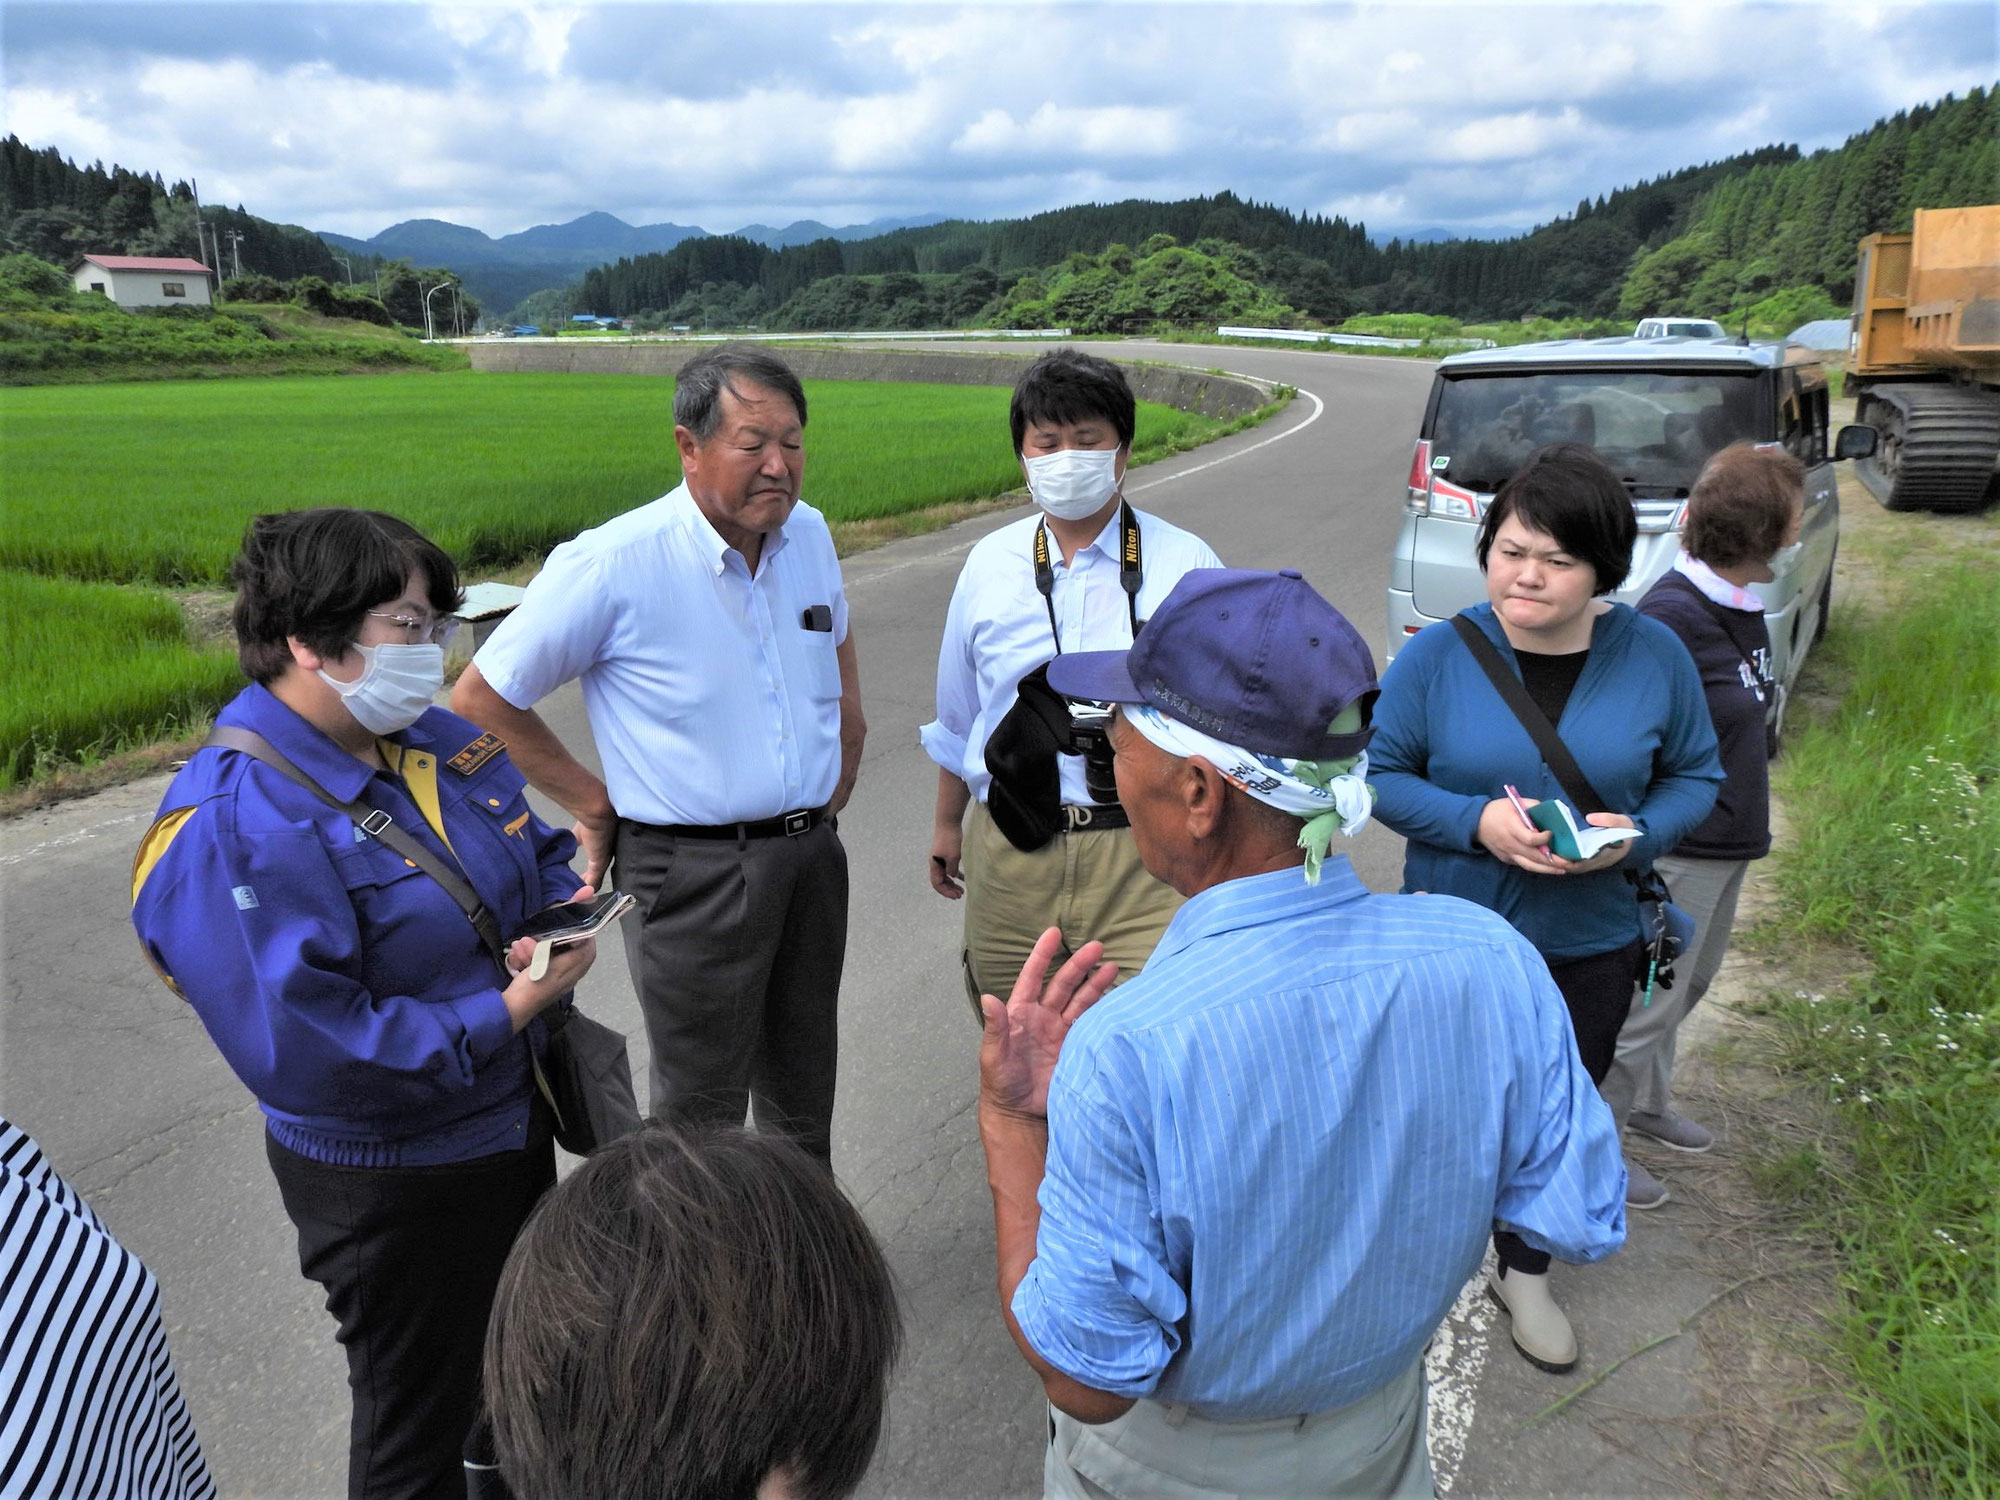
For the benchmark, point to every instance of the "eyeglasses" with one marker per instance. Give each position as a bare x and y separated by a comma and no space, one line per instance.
436,631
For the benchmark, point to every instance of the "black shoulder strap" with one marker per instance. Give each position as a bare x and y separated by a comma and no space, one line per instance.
1515,695
1131,569
374,822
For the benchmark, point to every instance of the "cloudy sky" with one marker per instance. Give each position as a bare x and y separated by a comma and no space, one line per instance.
351,117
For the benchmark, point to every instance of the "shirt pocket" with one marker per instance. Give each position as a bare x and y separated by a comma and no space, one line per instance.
822,666
497,832
410,928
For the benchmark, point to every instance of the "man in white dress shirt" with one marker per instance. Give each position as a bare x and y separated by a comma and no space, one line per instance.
709,629
1081,574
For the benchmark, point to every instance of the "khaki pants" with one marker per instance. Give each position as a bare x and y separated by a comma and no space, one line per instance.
1642,1077
1090,884
1373,1447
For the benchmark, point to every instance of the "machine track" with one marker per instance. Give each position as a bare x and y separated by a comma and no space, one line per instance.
1937,445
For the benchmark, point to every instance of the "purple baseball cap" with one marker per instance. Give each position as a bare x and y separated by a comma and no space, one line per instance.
1256,660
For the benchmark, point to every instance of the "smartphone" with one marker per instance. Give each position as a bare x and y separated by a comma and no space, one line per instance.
577,919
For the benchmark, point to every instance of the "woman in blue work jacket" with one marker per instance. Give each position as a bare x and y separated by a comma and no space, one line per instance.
1626,702
347,989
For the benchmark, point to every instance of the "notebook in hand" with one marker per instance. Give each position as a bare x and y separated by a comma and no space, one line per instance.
1571,839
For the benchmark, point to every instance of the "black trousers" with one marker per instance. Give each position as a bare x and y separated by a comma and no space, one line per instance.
410,1258
1597,990
737,961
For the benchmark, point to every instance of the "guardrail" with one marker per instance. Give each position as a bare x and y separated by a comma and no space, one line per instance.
1361,340
931,335
1225,397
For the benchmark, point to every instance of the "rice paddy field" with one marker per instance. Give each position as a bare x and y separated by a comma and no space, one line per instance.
93,668
113,492
153,483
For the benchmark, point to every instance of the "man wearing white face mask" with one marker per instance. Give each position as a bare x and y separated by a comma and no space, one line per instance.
1026,831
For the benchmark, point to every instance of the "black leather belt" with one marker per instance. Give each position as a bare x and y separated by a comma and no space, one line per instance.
789,825
1081,819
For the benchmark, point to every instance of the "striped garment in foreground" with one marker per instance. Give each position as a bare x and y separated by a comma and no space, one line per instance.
89,1405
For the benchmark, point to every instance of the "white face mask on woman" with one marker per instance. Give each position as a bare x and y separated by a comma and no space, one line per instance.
395,687
1074,483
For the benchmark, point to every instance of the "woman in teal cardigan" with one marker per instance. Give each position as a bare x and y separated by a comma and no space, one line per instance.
1627,703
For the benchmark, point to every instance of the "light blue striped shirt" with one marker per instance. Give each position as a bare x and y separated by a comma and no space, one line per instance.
1276,1155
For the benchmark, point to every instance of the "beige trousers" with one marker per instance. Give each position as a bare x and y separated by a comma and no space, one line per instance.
1373,1447
1090,884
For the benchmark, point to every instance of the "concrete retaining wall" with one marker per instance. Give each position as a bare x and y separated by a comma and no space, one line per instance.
1221,396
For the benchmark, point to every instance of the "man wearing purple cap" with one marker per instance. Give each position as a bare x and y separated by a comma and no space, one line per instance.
1234,1198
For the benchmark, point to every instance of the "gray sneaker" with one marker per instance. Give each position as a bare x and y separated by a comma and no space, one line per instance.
1642,1188
1675,1132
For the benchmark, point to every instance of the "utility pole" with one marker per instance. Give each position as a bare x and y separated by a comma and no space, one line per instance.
200,245
348,266
235,249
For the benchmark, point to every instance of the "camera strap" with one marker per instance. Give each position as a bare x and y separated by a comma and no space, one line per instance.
1130,569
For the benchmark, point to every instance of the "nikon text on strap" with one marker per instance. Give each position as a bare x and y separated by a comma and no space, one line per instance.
1130,569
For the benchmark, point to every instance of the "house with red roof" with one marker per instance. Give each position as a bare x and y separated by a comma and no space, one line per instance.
144,280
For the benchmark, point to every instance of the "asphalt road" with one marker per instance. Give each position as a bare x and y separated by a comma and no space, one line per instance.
123,1089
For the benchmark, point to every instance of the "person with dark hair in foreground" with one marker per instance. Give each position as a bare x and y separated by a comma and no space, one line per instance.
709,632
393,1058
696,1313
1624,700
1235,1198
1045,840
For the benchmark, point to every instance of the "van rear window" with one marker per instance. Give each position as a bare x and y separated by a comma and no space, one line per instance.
1655,430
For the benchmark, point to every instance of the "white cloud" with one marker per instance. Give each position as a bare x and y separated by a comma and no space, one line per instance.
350,117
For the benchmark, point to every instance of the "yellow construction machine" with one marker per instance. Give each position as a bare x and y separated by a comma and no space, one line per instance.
1926,359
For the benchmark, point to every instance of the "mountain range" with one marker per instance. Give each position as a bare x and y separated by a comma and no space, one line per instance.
500,272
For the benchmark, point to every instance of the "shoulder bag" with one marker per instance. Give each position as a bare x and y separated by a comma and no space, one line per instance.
586,1076
1663,927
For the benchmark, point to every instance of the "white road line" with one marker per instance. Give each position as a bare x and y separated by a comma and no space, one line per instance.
1319,406
957,548
63,840
1451,1367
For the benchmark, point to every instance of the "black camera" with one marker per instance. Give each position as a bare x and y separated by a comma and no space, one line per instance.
1090,737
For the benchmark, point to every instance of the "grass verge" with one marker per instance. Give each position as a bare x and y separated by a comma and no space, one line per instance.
94,670
85,339
1894,867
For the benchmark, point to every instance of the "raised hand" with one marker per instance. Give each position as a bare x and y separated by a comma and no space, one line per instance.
1024,1035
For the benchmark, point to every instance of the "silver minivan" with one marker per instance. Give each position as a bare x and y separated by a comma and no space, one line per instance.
1655,410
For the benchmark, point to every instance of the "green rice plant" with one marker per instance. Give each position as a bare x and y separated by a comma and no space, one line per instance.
93,668
155,482
1896,853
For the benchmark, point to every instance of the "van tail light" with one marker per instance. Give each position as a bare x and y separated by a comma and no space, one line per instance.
1427,494
1418,499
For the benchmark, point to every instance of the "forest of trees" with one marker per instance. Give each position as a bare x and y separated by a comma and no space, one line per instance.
1796,223
1768,229
54,209
1709,239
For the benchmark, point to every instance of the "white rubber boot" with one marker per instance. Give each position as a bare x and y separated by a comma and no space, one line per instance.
1541,1330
